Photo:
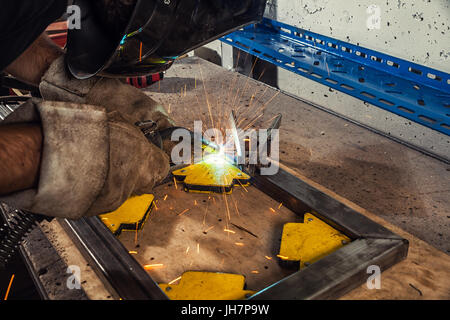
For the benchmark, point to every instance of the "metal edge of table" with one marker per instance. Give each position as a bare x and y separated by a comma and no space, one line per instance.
338,273
124,276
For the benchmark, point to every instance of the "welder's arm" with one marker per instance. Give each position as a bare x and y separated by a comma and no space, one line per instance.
32,64
91,160
20,157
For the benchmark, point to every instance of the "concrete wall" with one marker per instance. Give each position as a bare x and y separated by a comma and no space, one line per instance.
414,30
417,31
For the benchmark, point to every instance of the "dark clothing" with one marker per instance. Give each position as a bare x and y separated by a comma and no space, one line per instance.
22,22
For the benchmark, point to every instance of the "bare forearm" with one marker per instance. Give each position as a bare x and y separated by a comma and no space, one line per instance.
35,61
20,157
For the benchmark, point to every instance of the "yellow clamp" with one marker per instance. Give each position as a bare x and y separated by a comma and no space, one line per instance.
309,241
196,285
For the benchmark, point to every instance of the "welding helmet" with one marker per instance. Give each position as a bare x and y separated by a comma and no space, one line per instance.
154,35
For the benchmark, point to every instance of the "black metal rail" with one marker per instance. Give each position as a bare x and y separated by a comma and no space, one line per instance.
111,260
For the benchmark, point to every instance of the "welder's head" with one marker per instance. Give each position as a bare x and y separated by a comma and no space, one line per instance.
125,38
114,14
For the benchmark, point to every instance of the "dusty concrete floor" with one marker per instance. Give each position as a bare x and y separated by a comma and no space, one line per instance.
405,187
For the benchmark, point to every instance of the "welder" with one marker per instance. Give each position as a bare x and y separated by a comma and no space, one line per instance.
76,151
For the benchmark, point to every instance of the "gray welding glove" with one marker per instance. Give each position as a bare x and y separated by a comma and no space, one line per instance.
59,85
92,160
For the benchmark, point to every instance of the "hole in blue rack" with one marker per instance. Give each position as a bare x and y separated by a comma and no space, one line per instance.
414,70
346,49
302,70
393,91
389,103
332,45
392,64
421,102
434,77
361,80
241,44
316,75
268,56
256,51
416,87
316,63
424,118
345,86
361,54
406,110
390,84
331,81
443,125
368,95
374,58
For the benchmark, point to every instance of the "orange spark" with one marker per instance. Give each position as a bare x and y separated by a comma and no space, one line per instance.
132,252
255,271
268,258
273,210
210,228
136,234
187,249
240,244
174,280
242,185
198,247
183,212
282,257
175,181
228,230
153,266
281,204
165,197
9,287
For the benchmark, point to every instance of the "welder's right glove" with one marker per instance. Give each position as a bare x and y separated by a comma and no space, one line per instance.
59,85
92,160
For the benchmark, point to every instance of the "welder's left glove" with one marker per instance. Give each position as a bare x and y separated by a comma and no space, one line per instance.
58,85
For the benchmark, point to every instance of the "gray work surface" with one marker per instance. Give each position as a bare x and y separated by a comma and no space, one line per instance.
401,185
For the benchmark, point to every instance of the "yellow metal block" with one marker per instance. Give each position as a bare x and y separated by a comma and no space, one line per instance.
309,241
213,174
195,285
131,216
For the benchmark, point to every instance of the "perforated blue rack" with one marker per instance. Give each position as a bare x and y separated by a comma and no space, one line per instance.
410,90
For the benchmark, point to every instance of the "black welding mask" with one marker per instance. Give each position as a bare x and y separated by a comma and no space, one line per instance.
147,38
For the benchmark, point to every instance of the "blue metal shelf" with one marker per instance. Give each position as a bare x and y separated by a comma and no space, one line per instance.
410,90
